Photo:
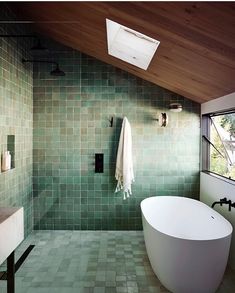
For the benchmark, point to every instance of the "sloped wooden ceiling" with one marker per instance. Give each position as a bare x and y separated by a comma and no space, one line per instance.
196,56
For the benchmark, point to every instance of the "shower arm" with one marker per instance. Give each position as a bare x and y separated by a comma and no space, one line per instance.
39,61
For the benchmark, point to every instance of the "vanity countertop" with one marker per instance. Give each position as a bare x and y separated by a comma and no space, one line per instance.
6,212
11,230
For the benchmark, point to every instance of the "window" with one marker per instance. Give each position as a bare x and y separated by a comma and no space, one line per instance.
218,143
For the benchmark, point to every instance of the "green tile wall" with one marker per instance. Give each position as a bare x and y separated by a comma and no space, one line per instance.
71,124
16,119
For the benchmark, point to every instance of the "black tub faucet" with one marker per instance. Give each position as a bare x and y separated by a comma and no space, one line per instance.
224,201
221,201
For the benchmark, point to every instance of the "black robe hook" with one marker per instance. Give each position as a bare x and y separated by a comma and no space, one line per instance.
111,122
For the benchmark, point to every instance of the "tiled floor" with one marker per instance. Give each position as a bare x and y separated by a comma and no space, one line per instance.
90,262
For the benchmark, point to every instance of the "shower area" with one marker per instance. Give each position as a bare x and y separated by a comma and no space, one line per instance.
86,237
71,123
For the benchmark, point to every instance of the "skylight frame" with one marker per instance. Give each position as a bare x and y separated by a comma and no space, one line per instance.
129,45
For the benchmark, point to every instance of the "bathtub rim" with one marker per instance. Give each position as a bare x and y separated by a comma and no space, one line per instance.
180,237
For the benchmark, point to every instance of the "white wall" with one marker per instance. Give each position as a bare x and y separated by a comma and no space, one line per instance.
213,188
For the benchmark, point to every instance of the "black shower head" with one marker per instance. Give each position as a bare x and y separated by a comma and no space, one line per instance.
57,71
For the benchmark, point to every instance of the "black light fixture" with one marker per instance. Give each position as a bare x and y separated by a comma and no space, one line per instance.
175,107
162,119
55,72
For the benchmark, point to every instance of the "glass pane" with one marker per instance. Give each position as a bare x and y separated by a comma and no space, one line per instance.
222,135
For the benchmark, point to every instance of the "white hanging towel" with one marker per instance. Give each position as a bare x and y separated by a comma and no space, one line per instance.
124,164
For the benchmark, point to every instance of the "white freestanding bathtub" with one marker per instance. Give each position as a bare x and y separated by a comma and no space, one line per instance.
187,243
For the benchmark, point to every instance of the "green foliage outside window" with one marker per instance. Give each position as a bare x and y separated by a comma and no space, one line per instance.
225,143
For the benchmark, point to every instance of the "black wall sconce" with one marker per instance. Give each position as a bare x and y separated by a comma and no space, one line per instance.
162,119
175,107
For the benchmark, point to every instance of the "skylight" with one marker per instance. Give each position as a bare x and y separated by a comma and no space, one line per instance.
130,45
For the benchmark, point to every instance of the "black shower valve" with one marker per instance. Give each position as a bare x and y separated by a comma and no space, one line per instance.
99,163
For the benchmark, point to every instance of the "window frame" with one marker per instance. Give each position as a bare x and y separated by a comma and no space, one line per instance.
205,146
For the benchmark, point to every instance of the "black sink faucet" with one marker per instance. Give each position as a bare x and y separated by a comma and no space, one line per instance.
224,201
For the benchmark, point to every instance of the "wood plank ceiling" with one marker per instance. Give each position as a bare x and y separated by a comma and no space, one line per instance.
196,56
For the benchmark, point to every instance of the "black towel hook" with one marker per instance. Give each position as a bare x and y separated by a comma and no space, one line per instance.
111,122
